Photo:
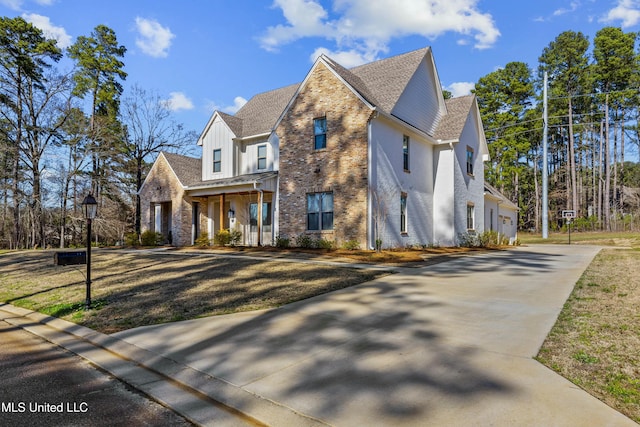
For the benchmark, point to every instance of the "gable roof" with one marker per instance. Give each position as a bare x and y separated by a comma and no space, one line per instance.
261,112
380,83
234,123
452,124
388,78
188,170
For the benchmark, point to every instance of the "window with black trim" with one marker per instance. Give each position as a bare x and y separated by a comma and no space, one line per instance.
403,212
405,152
217,160
262,156
469,160
320,211
320,133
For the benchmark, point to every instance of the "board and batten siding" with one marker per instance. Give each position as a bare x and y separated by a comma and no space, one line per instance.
419,104
248,157
218,136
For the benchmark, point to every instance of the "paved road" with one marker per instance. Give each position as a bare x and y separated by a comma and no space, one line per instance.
36,373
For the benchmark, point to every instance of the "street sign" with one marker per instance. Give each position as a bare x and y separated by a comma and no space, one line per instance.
569,214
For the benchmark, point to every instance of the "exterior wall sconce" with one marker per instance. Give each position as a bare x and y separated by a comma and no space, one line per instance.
231,213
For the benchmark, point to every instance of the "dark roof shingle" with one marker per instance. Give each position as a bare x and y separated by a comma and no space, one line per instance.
188,170
452,124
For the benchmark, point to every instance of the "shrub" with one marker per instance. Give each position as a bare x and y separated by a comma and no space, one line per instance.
306,241
222,237
282,242
235,236
227,237
468,240
131,239
151,238
203,240
325,244
351,245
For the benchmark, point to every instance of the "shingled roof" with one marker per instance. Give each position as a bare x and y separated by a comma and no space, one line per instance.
452,124
388,78
188,170
381,83
261,112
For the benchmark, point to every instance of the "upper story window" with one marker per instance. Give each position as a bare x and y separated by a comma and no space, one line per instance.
262,156
469,160
217,160
320,211
405,152
320,133
403,212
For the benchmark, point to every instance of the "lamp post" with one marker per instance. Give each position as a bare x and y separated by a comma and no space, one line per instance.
89,209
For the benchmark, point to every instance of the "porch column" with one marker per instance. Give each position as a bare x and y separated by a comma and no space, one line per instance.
221,212
260,198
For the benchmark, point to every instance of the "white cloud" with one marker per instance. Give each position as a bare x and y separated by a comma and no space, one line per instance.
627,11
179,101
573,6
154,39
50,31
460,88
346,58
17,4
12,4
364,28
238,103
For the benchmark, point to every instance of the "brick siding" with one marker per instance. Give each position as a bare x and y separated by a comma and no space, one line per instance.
341,167
162,186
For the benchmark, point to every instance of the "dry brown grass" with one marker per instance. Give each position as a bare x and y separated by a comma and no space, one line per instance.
135,289
596,340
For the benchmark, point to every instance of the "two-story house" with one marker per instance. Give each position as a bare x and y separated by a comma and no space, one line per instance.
371,154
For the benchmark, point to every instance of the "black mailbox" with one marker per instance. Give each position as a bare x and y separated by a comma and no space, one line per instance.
70,258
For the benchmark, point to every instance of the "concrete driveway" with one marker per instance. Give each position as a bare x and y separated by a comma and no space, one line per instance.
446,345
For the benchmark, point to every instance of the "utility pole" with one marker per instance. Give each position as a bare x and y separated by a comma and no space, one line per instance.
545,167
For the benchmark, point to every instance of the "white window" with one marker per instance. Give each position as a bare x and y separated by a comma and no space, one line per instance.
471,213
403,212
469,160
405,152
217,160
262,156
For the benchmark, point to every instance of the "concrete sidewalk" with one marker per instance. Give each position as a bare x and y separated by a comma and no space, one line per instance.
447,345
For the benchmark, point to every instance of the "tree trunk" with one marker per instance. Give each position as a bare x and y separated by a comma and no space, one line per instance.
572,163
138,186
607,171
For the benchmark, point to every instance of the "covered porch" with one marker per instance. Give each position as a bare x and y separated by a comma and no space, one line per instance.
244,203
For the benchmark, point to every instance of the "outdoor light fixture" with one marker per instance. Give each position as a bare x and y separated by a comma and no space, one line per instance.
89,209
232,213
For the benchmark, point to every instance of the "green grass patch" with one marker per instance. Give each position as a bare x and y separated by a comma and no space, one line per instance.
595,342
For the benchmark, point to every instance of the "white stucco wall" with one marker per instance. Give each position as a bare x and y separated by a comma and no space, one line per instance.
504,221
444,233
389,180
419,103
469,189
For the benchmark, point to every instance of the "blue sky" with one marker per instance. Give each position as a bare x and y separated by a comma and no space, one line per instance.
216,54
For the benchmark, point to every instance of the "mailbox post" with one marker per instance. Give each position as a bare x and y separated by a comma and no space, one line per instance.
89,208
